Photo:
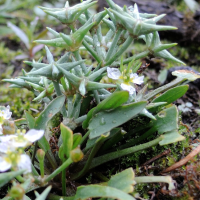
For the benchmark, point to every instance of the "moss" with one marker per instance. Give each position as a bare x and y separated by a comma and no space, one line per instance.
19,101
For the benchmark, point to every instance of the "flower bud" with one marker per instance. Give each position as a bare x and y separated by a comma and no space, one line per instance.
76,154
40,155
8,127
17,192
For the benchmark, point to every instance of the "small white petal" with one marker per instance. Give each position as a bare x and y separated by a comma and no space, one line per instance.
1,130
5,146
139,80
8,113
24,163
34,135
7,138
22,144
128,88
4,166
113,73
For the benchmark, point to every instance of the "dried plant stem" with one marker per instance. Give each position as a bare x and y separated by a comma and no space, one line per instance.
183,161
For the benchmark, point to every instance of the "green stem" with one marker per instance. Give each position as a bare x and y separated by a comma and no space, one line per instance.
97,46
114,140
34,171
135,141
96,96
41,169
70,105
135,57
59,169
76,106
20,179
126,44
80,119
64,182
78,57
56,197
51,159
34,152
84,137
117,154
95,149
163,88
59,93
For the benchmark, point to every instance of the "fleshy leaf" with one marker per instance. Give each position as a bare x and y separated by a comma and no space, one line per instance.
85,192
189,75
171,137
123,181
104,121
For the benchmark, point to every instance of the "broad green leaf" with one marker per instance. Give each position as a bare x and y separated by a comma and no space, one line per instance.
47,114
171,137
123,181
85,192
113,101
67,138
166,120
30,120
104,121
172,95
8,176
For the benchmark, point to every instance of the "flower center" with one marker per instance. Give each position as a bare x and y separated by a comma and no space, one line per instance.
12,157
125,76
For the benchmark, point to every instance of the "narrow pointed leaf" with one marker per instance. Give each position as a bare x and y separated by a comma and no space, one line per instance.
67,138
23,37
8,176
30,120
46,115
172,95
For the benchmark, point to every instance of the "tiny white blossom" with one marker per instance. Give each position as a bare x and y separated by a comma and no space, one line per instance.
4,114
15,160
20,139
126,79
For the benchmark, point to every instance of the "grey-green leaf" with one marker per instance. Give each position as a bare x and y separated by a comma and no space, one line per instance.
104,121
123,181
85,192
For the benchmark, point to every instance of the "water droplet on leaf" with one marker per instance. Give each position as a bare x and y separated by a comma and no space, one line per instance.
102,121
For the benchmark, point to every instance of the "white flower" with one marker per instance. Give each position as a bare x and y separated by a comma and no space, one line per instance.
20,139
126,79
15,160
4,114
